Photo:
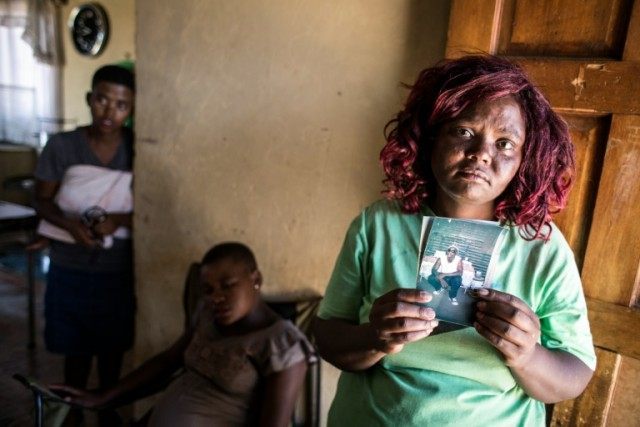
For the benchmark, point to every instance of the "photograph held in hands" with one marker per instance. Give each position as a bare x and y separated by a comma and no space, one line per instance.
456,256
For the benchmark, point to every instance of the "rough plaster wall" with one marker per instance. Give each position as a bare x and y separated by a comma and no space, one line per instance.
262,122
78,69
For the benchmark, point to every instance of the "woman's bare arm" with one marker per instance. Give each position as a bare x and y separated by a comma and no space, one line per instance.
510,325
131,387
345,345
280,393
396,318
552,376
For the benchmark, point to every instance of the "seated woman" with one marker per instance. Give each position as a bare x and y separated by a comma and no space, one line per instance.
244,364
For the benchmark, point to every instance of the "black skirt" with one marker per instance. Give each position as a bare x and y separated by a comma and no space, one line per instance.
88,312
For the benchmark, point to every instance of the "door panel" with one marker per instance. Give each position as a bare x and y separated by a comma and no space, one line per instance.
592,408
626,394
576,28
613,252
614,328
585,57
612,85
632,45
462,36
589,135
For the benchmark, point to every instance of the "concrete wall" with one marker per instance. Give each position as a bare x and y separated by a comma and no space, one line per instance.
262,122
78,69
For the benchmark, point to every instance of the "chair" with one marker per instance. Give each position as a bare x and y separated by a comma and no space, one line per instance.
301,312
52,408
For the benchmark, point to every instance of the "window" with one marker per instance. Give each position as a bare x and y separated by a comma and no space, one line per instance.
29,89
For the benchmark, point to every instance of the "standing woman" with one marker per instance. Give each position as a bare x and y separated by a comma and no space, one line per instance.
83,194
475,140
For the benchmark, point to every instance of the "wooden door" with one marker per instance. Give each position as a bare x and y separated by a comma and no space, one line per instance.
585,56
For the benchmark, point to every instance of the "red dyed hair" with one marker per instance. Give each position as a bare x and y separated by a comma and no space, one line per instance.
542,183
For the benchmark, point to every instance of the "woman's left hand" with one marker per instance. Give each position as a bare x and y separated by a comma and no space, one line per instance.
78,396
508,323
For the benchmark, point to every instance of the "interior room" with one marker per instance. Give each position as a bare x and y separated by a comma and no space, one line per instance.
263,122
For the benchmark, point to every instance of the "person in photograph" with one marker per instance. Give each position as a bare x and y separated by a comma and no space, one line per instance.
446,273
475,140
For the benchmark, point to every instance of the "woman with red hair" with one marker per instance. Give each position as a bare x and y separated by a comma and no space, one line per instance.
475,140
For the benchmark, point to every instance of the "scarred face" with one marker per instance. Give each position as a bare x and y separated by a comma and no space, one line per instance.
477,154
111,104
231,289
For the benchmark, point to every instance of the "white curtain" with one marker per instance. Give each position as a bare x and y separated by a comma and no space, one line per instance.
30,71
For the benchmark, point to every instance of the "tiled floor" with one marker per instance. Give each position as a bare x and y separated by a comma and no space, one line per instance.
16,406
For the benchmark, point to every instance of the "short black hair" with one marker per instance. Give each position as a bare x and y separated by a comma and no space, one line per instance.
237,251
114,74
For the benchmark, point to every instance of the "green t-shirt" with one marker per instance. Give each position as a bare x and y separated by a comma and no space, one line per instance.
454,378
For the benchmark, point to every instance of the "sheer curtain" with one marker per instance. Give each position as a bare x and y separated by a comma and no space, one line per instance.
30,71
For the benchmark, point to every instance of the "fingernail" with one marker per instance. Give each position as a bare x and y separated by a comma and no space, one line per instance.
479,292
423,294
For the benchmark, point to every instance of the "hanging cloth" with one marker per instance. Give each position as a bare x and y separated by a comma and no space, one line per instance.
42,31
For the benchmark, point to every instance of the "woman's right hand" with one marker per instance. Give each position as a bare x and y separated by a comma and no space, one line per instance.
77,396
398,318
